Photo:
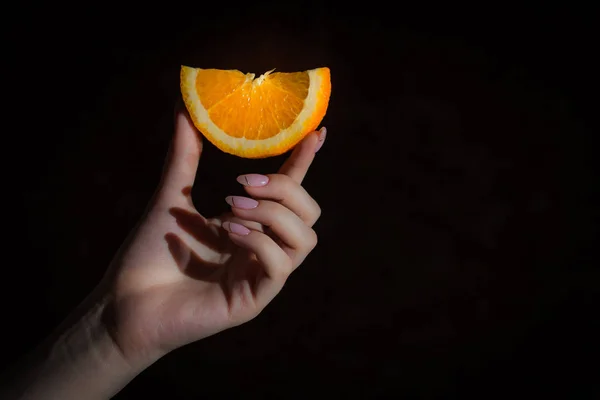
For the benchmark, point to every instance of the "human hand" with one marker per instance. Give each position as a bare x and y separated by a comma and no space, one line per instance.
181,277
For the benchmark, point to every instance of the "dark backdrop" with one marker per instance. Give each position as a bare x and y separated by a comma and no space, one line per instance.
455,242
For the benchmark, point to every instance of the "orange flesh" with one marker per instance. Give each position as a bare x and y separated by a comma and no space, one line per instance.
252,109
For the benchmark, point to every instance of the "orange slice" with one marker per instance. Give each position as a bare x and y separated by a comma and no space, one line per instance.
255,117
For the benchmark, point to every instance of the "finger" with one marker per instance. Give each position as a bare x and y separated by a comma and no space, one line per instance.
276,263
184,153
229,217
297,164
287,192
298,239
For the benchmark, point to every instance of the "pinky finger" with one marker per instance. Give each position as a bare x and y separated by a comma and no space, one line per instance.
275,261
229,217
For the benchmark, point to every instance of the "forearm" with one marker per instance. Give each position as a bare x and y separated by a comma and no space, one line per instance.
79,361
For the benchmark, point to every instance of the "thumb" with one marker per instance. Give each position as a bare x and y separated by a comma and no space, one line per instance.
182,160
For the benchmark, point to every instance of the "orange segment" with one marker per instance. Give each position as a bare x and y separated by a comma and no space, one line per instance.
214,85
255,117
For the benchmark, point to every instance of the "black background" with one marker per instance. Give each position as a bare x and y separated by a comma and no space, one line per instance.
455,253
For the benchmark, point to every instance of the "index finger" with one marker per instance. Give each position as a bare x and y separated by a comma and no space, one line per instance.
297,164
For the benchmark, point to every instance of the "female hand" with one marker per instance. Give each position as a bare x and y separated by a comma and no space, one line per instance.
182,277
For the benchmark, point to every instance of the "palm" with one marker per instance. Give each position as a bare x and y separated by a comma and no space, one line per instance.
181,277
203,283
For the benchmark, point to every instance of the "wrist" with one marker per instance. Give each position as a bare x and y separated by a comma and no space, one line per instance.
88,356
80,360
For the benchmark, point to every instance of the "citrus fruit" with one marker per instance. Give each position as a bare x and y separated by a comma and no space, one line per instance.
255,117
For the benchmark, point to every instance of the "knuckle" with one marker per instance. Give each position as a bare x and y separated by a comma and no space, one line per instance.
313,239
284,271
287,269
313,214
317,211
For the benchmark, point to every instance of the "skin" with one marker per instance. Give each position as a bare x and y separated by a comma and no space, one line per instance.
178,278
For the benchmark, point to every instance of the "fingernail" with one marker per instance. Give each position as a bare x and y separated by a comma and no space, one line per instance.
245,203
253,180
238,229
322,135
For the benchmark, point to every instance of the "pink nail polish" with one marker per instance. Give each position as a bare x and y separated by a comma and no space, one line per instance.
245,203
322,135
238,229
253,180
